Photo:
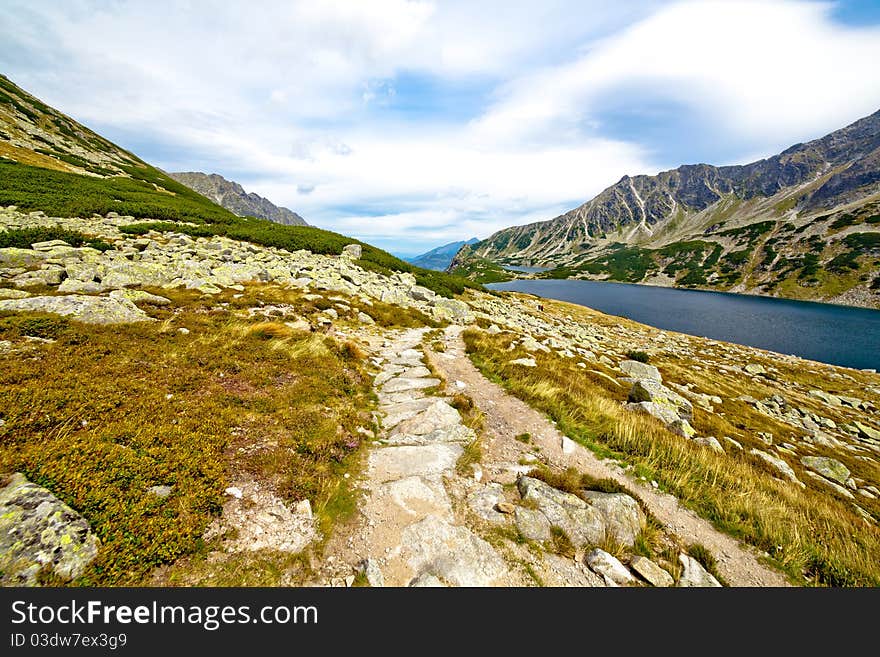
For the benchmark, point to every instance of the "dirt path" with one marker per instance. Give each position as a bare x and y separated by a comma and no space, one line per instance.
507,416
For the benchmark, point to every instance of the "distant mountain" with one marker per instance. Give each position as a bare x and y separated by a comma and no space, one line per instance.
441,257
231,195
801,224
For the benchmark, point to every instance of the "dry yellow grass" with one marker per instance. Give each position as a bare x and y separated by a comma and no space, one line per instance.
812,536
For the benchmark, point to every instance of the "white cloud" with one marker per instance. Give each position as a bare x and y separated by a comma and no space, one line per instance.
300,100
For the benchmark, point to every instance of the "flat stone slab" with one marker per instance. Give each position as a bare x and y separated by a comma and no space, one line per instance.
438,415
397,412
419,496
92,310
391,463
454,434
399,384
451,552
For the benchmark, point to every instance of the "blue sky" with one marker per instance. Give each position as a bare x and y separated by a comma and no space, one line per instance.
412,123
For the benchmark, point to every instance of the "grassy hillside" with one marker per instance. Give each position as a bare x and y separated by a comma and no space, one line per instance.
151,195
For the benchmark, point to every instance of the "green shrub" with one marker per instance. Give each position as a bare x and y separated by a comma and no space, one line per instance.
640,356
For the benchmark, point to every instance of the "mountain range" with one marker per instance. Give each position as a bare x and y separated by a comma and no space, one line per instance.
801,224
231,195
441,257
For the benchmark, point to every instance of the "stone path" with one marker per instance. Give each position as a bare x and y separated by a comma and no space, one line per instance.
412,534
506,417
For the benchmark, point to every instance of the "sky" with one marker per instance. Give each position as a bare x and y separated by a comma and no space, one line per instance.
413,123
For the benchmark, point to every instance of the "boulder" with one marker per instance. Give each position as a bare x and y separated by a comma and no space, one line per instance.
651,572
710,442
755,369
352,251
651,390
609,567
624,518
139,296
779,465
6,293
827,467
484,501
665,414
694,575
38,531
638,370
92,310
39,277
15,257
532,524
583,524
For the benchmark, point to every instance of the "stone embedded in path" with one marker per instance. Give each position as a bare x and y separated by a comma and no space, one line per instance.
624,518
419,371
390,463
92,310
419,496
583,524
397,412
455,434
694,575
451,552
438,415
484,500
401,384
37,530
651,572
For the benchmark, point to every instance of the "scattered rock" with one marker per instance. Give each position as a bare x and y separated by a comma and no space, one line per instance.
755,369
139,296
609,567
651,390
651,572
352,251
779,465
624,518
693,573
827,467
162,491
524,362
710,442
638,370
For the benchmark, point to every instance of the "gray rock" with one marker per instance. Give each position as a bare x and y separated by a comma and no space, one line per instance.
484,500
755,369
831,484
532,524
828,398
609,567
75,286
624,518
710,442
638,370
651,390
48,245
666,415
524,362
37,530
651,572
15,257
364,318
139,296
401,384
426,580
451,552
694,575
6,293
352,251
162,491
827,467
39,277
373,573
92,310
583,524
779,465
391,463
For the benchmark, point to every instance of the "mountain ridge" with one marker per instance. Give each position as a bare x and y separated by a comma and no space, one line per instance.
440,258
818,189
232,196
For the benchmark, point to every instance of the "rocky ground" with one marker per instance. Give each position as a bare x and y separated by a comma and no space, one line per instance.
451,492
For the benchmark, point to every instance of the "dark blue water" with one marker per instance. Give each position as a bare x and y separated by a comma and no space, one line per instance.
831,334
526,270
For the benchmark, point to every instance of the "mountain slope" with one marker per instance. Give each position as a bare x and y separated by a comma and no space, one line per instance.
232,196
104,179
777,226
441,257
